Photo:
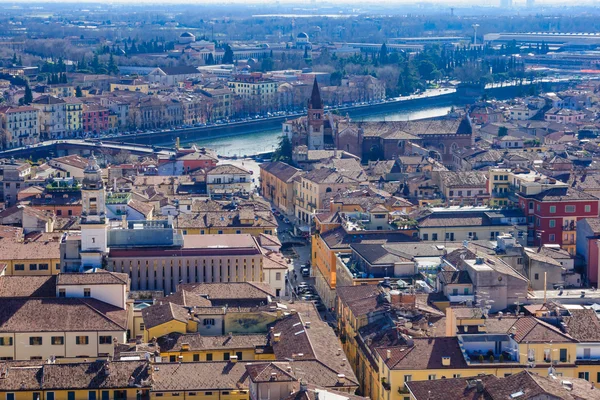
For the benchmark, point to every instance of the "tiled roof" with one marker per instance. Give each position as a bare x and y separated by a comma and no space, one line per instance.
444,389
200,376
280,170
98,277
174,341
228,169
583,325
159,314
268,372
455,277
530,329
231,292
60,314
83,375
424,354
27,286
188,299
534,387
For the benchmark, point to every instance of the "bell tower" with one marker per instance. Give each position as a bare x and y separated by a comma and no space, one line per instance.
316,119
94,226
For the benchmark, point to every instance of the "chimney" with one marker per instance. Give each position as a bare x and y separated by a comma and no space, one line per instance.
124,221
307,325
277,337
273,376
388,354
446,361
479,383
233,359
395,297
341,379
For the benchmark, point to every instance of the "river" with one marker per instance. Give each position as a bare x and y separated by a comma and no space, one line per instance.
266,140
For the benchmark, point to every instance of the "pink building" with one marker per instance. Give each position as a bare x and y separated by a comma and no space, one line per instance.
95,119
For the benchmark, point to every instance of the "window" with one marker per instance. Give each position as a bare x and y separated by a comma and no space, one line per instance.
43,267
239,355
277,276
552,209
552,223
172,358
451,193
35,396
10,396
431,377
537,277
588,208
563,355
6,341
62,293
33,267
456,376
226,356
551,237
208,321
105,395
466,291
208,393
196,357
142,327
70,395
92,395
434,236
425,236
191,394
19,267
35,341
105,340
87,292
82,339
539,207
570,209
57,340
49,395
209,357
520,260
220,232
584,375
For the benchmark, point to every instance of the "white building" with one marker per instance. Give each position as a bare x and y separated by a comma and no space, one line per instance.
21,125
226,178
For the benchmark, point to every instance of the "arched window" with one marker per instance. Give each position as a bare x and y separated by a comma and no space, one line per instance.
328,190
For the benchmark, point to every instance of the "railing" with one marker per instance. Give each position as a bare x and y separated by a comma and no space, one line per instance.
461,298
569,227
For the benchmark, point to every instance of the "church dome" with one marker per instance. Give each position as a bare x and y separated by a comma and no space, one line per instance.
186,34
302,35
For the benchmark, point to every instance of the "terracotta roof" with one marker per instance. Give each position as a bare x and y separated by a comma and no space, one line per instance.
424,354
196,341
455,277
268,372
444,389
188,299
143,208
60,314
98,277
82,375
281,171
200,376
583,325
28,286
159,314
535,387
231,292
228,169
530,329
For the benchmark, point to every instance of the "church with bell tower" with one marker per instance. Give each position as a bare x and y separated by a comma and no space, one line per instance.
94,224
316,120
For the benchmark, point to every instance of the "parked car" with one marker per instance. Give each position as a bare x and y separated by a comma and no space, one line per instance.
305,272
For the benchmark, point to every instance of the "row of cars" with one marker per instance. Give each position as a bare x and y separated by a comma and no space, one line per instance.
307,292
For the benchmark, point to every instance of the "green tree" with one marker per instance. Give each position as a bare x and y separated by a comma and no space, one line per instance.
502,131
266,64
78,92
428,70
383,54
228,55
210,60
28,97
284,150
14,59
112,65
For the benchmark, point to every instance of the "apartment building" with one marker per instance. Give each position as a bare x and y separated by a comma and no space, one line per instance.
21,126
277,185
53,116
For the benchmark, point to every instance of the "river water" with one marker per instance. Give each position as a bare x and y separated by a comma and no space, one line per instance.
265,141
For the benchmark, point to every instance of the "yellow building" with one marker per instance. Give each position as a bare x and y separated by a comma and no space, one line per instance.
99,380
74,109
259,95
277,185
37,255
130,87
61,90
64,328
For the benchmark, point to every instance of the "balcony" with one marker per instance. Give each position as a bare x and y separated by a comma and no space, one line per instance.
499,195
386,385
570,227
